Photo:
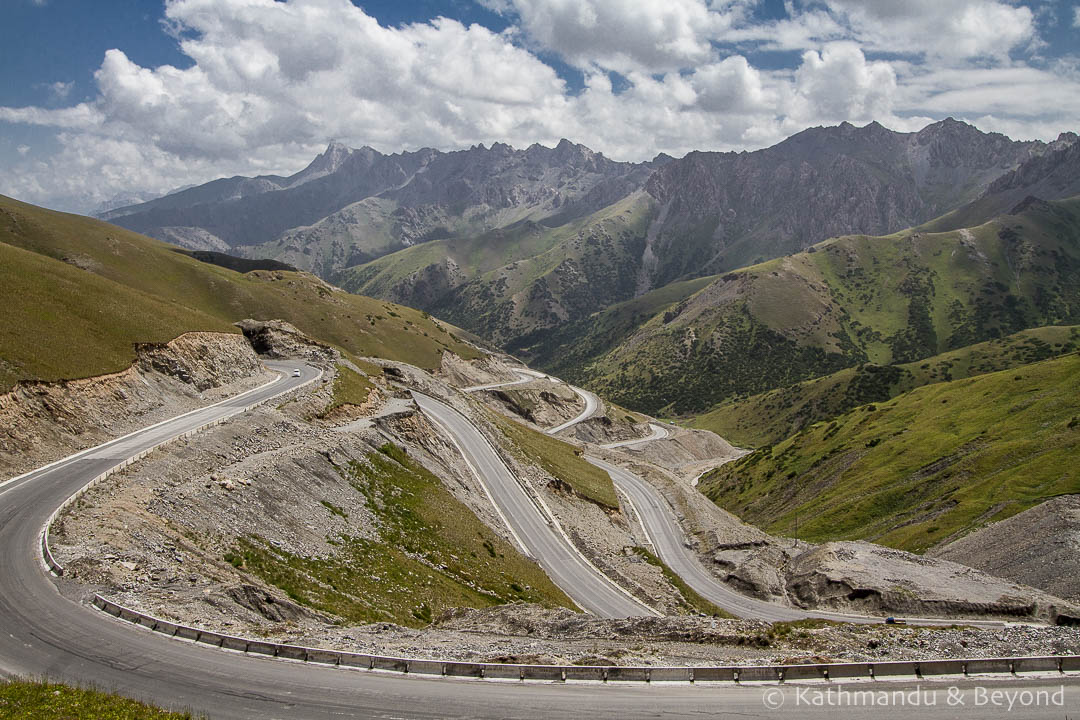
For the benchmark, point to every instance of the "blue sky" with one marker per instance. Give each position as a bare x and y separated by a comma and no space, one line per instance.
138,97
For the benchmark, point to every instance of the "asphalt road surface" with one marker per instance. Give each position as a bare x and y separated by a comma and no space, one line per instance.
46,633
659,524
585,585
669,543
524,376
592,404
658,432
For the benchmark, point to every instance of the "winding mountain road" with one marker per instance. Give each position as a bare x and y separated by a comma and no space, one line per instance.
592,402
524,376
667,538
47,629
659,432
532,526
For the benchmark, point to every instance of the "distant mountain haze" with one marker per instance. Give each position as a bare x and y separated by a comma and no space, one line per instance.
349,206
525,246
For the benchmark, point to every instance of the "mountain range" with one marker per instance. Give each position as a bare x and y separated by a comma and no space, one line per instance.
350,206
592,267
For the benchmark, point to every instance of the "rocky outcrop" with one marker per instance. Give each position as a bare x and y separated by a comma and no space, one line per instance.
44,421
279,339
484,370
202,360
264,603
1038,547
872,579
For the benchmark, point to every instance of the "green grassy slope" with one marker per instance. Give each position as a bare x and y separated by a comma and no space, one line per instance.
510,284
772,416
562,460
432,554
77,293
33,700
921,468
848,301
564,350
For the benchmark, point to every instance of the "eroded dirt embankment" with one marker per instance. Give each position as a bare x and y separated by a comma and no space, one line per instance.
41,422
271,524
183,534
856,577
1039,547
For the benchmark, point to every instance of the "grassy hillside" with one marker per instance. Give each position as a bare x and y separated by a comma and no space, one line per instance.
564,350
432,554
562,460
772,416
34,700
511,284
77,293
849,301
919,469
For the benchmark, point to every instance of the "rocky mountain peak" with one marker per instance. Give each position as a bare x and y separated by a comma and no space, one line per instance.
330,161
950,129
1065,138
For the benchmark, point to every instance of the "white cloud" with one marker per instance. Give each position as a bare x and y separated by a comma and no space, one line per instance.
23,149
624,35
839,84
940,28
61,90
1076,16
732,86
272,81
1021,93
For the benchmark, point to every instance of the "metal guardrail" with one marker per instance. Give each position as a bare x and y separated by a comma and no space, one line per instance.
912,669
548,673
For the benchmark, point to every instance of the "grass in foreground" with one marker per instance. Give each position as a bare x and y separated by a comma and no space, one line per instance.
33,700
690,596
921,469
562,460
433,554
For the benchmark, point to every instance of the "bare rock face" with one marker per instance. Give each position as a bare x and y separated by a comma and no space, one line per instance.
541,402
485,370
264,603
873,579
279,339
1038,547
203,360
43,421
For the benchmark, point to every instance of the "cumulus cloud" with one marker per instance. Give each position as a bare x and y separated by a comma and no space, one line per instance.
732,86
271,81
623,35
839,84
940,28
